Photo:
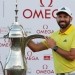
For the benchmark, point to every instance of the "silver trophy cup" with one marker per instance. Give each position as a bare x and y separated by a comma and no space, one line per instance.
16,63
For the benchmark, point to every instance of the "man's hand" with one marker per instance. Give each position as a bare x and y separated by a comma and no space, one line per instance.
51,42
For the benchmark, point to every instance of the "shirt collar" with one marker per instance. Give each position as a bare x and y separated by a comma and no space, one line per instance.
68,30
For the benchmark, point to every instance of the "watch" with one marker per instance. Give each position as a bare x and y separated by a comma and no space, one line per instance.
55,48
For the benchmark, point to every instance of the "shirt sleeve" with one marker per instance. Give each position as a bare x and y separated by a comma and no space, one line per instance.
44,42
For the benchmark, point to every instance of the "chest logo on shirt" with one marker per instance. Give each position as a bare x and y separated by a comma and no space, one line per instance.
65,40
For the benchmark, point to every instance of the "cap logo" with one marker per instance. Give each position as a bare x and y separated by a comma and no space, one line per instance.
63,8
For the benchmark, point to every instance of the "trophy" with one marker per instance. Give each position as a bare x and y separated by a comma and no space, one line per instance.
16,62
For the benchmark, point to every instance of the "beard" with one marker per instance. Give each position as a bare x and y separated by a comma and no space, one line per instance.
63,25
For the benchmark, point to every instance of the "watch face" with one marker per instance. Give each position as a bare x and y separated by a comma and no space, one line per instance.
55,48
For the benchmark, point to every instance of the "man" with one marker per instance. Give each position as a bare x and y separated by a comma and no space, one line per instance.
62,43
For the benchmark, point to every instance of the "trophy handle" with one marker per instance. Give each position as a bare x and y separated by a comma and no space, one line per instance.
27,39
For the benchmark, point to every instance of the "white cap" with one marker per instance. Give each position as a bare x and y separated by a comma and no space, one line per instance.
64,9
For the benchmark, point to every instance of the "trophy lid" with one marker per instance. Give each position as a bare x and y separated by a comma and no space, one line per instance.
16,29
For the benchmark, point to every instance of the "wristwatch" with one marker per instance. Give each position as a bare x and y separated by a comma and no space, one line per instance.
55,48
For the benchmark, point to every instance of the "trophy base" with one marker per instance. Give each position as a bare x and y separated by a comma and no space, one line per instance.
15,72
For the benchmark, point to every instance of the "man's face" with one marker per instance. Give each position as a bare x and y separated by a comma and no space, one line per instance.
63,20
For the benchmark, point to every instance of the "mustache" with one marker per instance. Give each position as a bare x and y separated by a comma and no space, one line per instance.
61,21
